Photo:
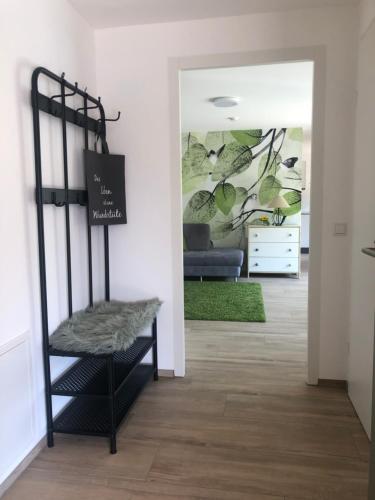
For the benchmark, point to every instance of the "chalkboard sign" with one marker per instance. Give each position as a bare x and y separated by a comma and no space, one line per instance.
105,176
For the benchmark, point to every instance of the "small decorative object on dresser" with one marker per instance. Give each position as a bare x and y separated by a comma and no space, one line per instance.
273,249
278,203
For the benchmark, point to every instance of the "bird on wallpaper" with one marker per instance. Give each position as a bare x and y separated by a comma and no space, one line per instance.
217,153
289,162
214,155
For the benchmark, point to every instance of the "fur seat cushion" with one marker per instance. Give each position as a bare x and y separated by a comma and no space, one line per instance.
106,327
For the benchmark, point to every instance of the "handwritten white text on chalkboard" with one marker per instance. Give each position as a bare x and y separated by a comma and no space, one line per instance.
107,214
104,190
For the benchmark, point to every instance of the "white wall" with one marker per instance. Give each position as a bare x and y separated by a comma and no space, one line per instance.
362,266
137,83
50,34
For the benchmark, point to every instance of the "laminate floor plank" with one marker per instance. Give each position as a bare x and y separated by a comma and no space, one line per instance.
310,475
311,435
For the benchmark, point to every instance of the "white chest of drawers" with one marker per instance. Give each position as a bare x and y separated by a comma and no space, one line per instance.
273,249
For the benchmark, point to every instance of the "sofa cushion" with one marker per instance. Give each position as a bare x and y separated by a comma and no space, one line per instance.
214,257
197,236
219,271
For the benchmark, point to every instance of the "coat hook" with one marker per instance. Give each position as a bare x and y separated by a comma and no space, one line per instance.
111,119
100,120
66,95
56,202
87,108
54,111
115,119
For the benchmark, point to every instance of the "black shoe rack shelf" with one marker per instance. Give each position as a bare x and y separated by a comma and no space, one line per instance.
102,387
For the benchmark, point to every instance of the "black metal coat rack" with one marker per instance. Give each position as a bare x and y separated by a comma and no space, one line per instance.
103,387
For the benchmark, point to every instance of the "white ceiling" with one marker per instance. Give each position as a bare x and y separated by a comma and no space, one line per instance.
107,13
275,95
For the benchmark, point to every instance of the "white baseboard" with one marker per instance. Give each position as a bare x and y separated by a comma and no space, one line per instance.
166,373
7,483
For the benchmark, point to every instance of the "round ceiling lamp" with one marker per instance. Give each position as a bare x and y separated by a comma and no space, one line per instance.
225,101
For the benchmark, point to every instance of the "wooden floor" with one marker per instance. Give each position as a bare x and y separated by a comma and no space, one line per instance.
242,425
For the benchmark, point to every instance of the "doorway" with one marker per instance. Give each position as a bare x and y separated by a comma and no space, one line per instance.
317,56
246,163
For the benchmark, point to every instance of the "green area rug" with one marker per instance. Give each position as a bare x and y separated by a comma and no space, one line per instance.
222,301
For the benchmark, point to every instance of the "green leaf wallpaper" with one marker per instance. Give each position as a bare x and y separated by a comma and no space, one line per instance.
230,177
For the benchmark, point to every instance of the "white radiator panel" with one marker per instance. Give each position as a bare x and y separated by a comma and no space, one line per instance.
16,414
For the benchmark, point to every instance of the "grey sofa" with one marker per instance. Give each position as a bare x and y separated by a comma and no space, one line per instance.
202,259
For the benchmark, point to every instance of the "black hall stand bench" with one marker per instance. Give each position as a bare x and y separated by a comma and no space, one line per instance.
103,387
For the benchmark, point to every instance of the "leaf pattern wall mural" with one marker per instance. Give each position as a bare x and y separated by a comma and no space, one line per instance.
230,177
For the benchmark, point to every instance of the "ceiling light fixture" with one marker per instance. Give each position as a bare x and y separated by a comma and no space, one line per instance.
233,118
225,101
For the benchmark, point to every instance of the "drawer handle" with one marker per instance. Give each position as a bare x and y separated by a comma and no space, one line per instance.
290,234
256,235
256,264
257,249
289,265
289,249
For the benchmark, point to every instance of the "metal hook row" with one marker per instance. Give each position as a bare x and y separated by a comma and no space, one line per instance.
54,111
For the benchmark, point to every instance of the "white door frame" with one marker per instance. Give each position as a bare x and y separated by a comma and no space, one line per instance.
317,55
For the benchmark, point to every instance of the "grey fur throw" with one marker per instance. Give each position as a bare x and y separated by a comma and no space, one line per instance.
106,327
